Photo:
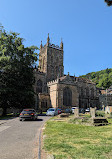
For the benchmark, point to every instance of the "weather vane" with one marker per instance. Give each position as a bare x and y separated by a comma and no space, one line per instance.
109,2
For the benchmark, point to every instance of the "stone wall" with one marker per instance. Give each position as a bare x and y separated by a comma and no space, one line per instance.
44,101
75,95
56,93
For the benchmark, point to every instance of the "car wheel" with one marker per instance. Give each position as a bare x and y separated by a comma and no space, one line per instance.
20,119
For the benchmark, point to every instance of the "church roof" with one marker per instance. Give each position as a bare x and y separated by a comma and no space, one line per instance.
73,78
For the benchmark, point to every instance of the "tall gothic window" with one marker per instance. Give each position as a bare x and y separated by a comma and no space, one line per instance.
57,60
39,86
51,59
43,62
57,70
87,91
67,97
44,104
92,92
82,93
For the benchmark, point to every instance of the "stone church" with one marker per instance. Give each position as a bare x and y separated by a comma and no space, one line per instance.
54,89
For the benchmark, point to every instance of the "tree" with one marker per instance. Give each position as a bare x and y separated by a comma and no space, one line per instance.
16,71
102,78
109,2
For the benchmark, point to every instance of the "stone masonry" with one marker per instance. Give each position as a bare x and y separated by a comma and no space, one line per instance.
54,89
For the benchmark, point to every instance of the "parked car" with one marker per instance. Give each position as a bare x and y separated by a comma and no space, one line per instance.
59,110
68,110
52,111
73,108
82,110
28,114
87,110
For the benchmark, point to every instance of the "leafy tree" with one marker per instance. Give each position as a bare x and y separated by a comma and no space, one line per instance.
102,78
109,2
16,71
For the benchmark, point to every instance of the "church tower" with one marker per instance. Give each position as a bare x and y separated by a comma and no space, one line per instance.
51,60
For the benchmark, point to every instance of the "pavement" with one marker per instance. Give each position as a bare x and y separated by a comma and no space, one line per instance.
41,152
3,121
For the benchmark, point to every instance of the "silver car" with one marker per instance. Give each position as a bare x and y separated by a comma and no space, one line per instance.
52,112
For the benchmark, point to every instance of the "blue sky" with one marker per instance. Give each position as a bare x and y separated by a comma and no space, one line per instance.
84,25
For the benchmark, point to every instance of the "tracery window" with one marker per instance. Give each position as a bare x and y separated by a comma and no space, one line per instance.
39,86
51,59
87,91
67,97
43,62
82,93
92,92
44,103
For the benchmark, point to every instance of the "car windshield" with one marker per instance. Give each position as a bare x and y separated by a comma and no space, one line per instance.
28,111
51,109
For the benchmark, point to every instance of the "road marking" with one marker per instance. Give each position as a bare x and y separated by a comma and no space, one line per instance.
4,128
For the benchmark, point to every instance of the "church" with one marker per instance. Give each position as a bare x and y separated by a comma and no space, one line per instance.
55,89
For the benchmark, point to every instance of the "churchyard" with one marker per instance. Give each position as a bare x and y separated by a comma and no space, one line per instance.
77,137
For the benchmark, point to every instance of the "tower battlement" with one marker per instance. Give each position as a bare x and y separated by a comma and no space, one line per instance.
52,46
51,60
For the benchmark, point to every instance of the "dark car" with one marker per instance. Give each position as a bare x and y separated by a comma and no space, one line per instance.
28,114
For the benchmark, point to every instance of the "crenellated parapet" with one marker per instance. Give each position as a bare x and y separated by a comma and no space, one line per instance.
53,82
51,45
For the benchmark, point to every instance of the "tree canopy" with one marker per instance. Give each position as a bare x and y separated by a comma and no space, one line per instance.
109,2
102,78
16,71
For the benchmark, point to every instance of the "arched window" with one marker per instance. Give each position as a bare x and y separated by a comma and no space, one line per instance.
40,64
44,104
57,70
43,62
82,93
87,91
51,59
92,92
39,86
67,97
57,60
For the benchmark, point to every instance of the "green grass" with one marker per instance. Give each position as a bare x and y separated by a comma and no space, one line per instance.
70,141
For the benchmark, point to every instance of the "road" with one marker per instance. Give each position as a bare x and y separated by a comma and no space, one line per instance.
19,140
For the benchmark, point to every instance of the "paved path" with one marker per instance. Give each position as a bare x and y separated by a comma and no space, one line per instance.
19,140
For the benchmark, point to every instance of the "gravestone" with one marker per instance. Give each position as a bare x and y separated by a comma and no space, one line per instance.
76,112
92,112
108,109
103,108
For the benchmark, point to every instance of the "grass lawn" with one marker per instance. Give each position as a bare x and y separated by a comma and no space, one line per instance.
70,141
